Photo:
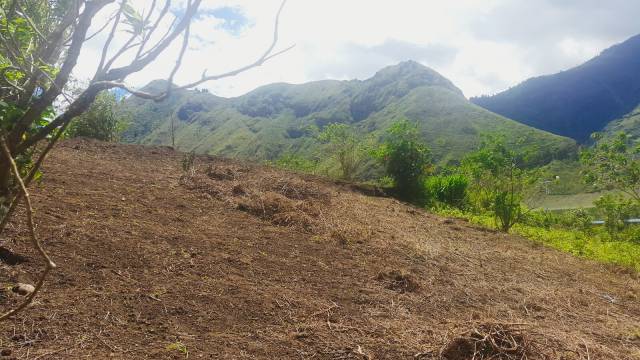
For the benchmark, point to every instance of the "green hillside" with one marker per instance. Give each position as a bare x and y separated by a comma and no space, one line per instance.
281,118
630,124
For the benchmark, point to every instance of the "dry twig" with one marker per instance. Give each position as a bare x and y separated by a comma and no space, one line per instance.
49,264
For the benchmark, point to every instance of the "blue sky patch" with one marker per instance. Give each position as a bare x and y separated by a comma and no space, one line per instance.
233,19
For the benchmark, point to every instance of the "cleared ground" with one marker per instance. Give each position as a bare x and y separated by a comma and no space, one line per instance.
236,261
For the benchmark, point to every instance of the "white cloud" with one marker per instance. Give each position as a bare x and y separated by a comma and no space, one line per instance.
483,46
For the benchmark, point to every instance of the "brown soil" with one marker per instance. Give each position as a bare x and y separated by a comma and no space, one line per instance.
238,261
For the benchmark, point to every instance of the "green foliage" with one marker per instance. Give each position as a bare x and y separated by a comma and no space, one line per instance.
577,219
292,161
612,163
271,120
179,347
589,244
507,208
450,190
101,121
346,147
616,209
498,182
628,124
9,112
407,160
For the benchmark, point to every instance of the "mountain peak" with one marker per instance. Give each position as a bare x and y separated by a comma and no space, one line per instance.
414,74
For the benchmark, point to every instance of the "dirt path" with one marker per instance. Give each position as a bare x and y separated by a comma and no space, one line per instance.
246,262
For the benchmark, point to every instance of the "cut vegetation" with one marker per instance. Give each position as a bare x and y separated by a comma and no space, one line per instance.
224,259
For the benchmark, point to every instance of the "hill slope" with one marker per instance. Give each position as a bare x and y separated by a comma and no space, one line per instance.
579,101
280,118
247,262
630,124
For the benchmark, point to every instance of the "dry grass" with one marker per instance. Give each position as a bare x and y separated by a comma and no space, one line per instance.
239,261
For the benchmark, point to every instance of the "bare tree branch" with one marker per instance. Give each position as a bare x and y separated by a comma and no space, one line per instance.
112,33
268,54
139,64
34,111
33,26
163,12
101,29
49,264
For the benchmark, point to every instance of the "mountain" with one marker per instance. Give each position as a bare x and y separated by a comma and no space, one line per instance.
579,101
280,118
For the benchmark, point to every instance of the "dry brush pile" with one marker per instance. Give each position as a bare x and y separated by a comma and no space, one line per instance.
281,198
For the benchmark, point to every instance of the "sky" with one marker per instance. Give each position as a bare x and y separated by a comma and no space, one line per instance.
483,46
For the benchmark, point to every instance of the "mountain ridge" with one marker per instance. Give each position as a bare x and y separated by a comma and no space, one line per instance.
279,118
578,101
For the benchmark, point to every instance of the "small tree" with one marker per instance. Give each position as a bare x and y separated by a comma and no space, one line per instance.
101,121
406,159
615,209
613,164
498,181
346,147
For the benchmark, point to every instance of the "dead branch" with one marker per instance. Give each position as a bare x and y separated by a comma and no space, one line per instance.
112,33
49,264
266,56
163,12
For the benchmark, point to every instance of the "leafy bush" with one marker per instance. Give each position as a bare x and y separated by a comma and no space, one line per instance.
406,159
346,147
613,164
498,181
577,219
100,121
447,189
295,162
615,209
507,208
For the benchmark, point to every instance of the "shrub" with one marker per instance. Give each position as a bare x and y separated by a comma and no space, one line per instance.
406,160
100,121
507,208
498,181
447,189
615,209
291,161
346,147
188,164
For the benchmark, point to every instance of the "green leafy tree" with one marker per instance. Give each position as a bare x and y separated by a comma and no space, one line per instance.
615,209
348,149
407,160
101,121
498,181
613,164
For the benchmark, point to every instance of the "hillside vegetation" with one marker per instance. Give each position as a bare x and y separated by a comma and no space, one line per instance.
280,118
579,101
629,124
228,260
